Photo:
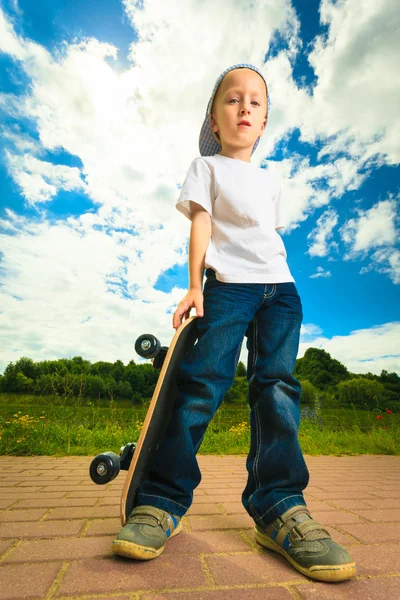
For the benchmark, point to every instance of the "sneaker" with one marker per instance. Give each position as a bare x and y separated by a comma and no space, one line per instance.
307,546
144,535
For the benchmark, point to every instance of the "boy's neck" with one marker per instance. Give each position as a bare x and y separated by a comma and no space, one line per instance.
237,155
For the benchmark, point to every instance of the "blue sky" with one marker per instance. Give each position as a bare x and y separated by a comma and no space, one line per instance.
101,104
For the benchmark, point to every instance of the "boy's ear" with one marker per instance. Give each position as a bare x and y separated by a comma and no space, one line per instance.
214,128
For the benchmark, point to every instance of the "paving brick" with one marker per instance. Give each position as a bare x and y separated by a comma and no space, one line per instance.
334,517
122,575
28,482
113,597
108,501
376,559
370,533
6,503
348,504
207,542
103,527
99,492
60,550
216,486
317,504
216,498
341,538
51,502
8,516
387,588
8,484
26,581
83,512
250,593
387,493
220,522
332,496
380,515
222,491
204,509
248,568
5,545
17,495
42,529
383,502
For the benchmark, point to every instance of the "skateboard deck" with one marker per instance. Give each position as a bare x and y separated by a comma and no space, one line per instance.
158,415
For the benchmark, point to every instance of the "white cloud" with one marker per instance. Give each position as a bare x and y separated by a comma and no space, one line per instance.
135,133
363,350
386,261
356,95
321,236
320,273
40,180
373,227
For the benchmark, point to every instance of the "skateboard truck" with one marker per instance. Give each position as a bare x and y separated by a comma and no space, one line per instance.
105,467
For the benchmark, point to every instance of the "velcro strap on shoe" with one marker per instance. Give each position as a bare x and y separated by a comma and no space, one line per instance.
309,531
149,515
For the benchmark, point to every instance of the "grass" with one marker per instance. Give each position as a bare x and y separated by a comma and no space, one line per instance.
32,425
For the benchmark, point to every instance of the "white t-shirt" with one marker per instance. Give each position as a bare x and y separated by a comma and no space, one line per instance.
246,206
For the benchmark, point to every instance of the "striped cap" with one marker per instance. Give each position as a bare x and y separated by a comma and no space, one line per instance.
207,143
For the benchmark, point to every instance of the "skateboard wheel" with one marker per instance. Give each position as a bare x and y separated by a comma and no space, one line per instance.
104,468
147,345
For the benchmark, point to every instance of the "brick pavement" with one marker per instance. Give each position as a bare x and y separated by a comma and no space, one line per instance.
56,529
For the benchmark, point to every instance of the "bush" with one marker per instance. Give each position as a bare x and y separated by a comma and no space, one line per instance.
364,393
308,393
237,393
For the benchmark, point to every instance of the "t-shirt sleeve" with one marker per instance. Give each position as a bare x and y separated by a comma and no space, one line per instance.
198,186
279,206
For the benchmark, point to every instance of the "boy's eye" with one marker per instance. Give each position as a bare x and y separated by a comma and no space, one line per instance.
258,104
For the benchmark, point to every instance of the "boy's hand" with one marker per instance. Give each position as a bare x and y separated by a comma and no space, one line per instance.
194,298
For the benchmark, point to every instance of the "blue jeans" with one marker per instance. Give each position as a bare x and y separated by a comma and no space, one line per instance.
270,316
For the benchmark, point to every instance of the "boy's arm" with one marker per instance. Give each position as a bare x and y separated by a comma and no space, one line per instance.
200,235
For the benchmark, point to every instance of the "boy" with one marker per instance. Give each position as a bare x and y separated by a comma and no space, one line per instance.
235,209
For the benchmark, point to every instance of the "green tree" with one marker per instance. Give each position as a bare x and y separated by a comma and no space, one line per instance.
241,370
318,367
95,387
10,378
24,384
27,367
118,371
308,393
237,393
362,392
124,389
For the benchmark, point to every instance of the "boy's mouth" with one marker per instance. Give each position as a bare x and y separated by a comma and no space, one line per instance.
244,123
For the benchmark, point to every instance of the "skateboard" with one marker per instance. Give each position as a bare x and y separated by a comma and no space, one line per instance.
137,458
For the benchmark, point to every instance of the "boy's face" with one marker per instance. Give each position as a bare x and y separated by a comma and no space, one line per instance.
241,95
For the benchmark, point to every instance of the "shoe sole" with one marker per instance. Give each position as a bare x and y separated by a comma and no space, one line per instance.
329,573
137,551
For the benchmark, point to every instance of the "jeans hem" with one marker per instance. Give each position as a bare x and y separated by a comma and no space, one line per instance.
163,503
279,508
